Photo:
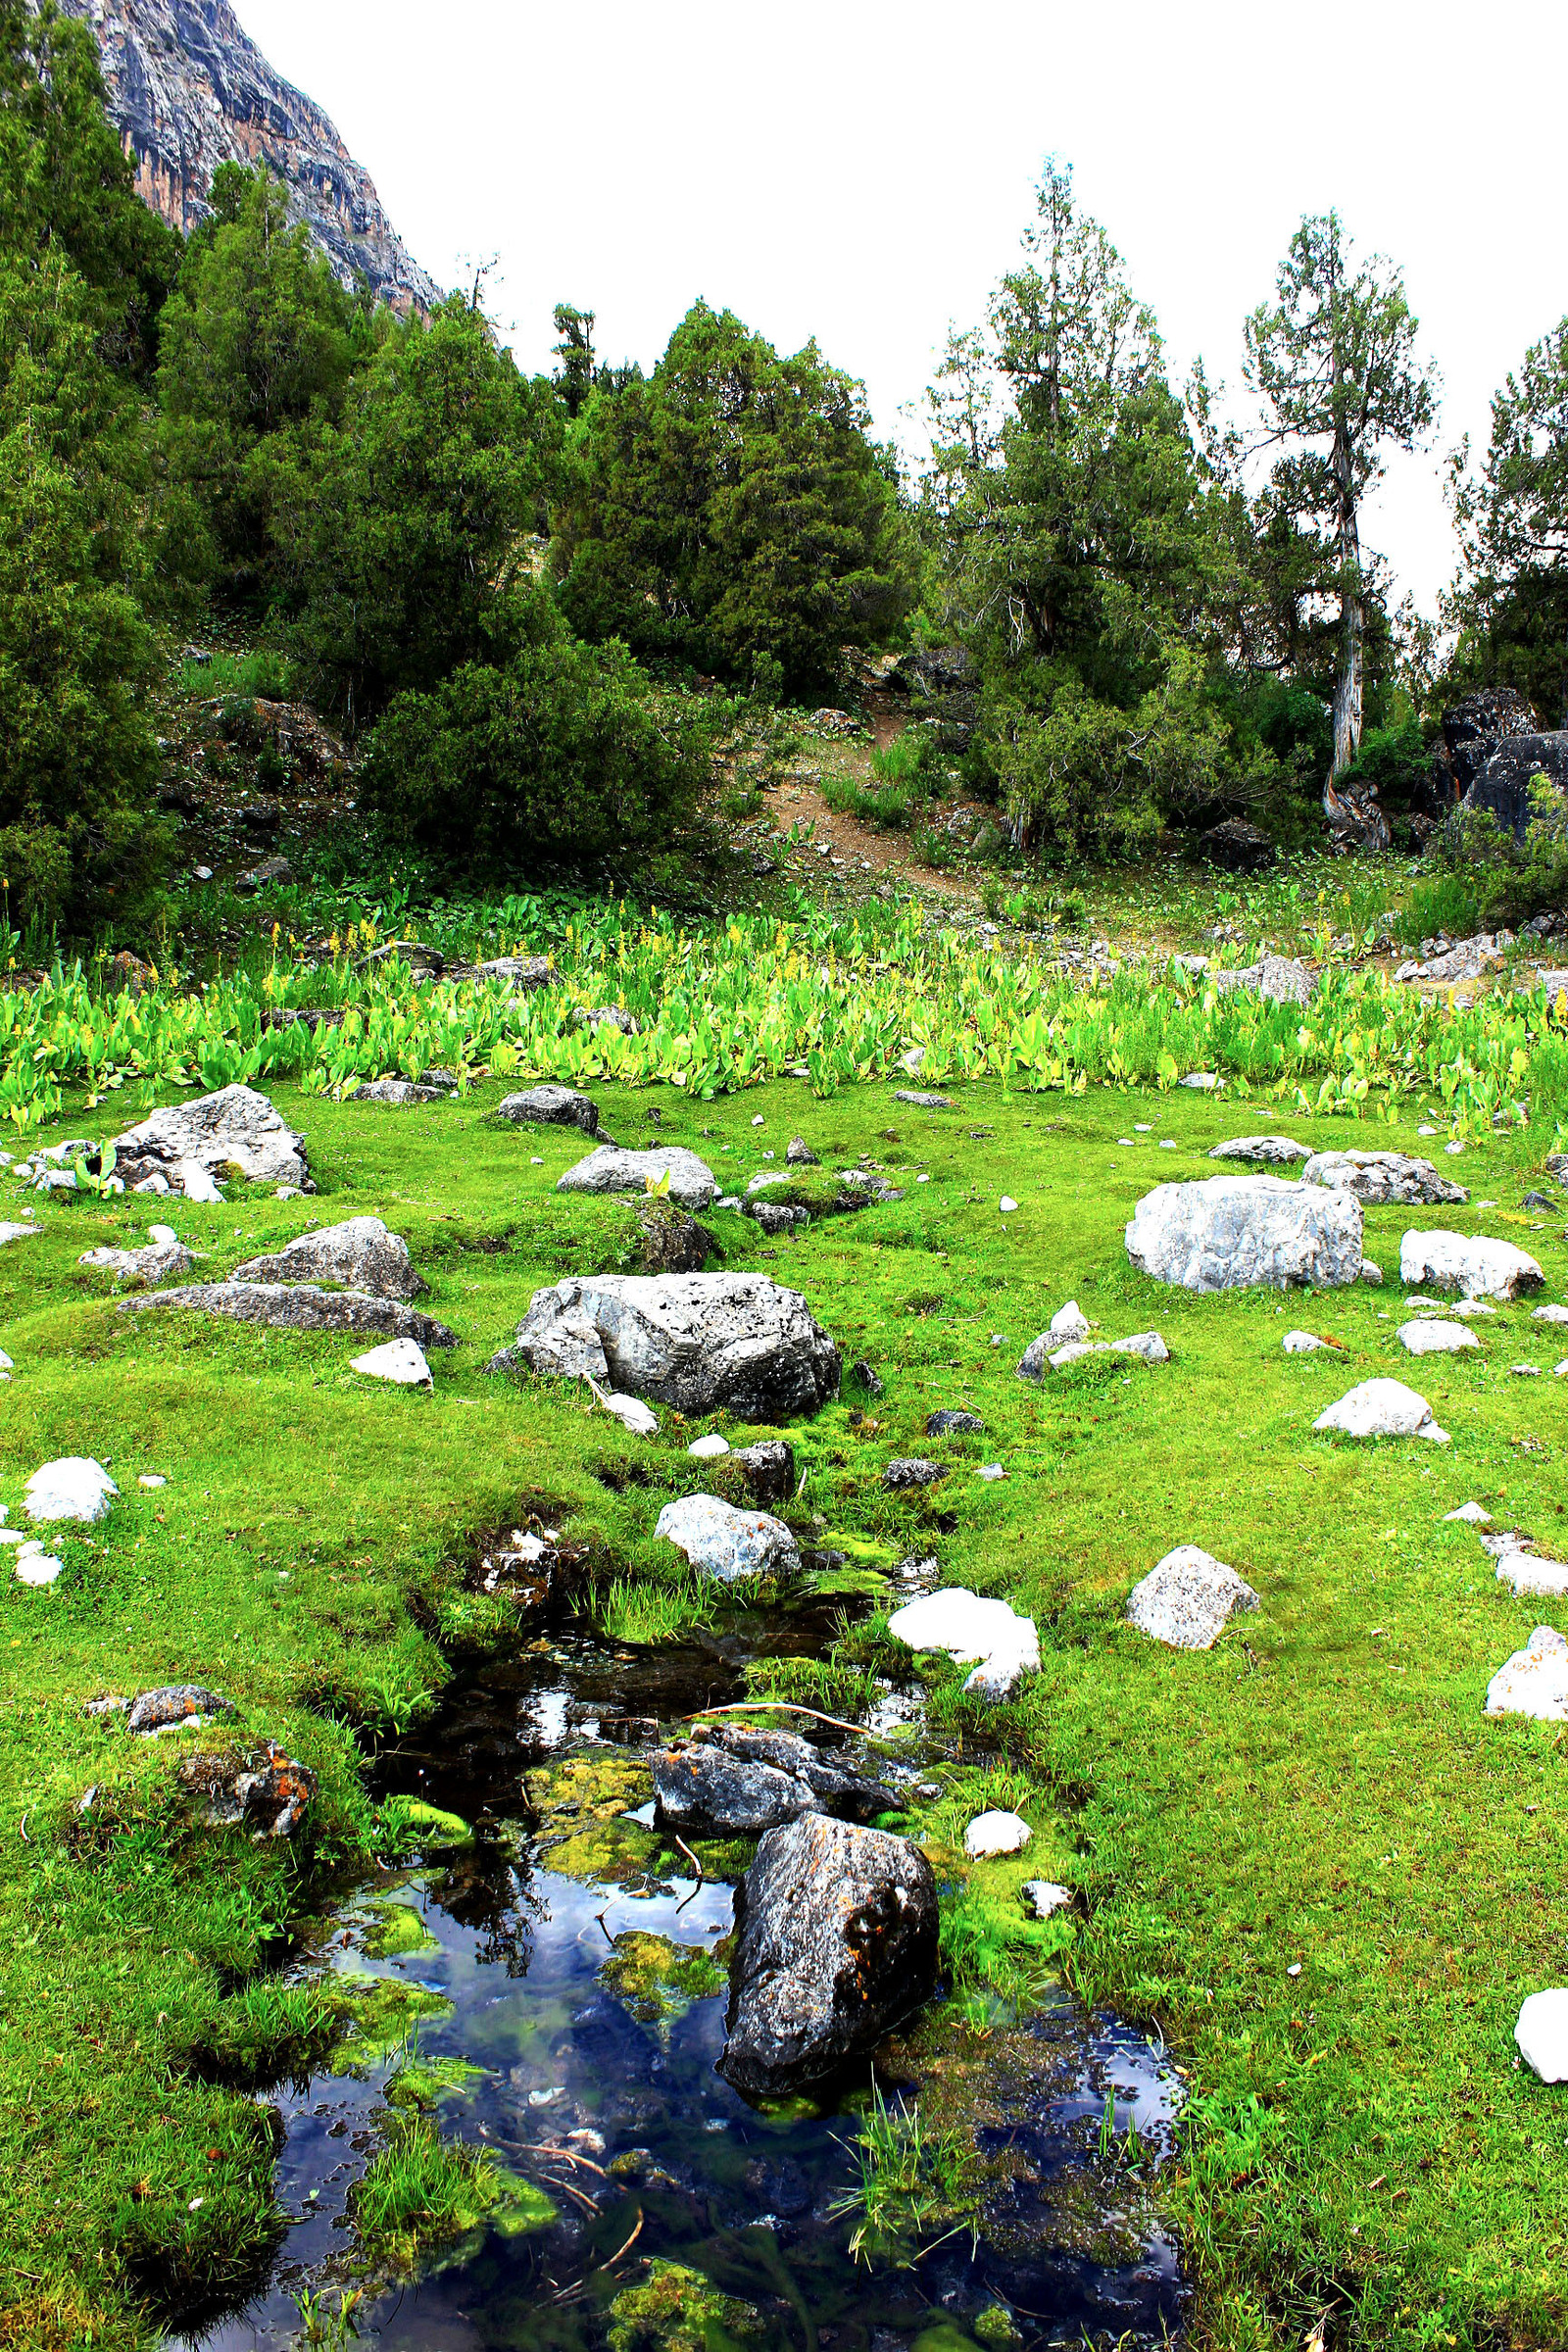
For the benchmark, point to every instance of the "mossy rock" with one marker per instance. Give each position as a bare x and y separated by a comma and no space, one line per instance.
582,1803
426,2081
945,2338
381,2014
425,1824
657,1979
678,2310
996,2329
397,1930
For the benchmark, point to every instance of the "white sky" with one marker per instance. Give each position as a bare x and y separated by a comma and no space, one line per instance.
860,171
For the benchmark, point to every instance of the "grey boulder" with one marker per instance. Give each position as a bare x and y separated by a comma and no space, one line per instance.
610,1170
1469,1263
550,1107
912,1471
1187,1598
158,1262
1229,1232
1381,1177
402,1094
725,1543
234,1131
838,1945
361,1253
949,1423
300,1306
1278,978
704,1789
175,1702
768,1469
695,1342
518,972
1264,1150
849,1795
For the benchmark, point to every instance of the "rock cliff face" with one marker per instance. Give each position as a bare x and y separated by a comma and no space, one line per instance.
190,90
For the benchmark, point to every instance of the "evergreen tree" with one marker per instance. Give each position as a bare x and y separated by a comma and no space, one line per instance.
1512,603
1333,362
410,529
1068,502
81,276
256,346
732,511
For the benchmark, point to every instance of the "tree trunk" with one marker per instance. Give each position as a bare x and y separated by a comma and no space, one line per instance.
1356,819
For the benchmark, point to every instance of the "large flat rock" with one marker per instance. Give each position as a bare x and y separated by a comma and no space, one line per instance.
1228,1233
1188,1599
235,1131
1264,1150
1381,1177
361,1253
611,1170
300,1306
696,1341
1469,1263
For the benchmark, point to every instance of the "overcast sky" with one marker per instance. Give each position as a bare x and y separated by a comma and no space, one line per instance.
861,172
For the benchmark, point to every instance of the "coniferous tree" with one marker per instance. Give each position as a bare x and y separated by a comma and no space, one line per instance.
1512,601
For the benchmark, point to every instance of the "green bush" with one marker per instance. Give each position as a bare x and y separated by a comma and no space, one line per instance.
564,755
1504,881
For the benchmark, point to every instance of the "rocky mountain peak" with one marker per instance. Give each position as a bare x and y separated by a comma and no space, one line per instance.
189,91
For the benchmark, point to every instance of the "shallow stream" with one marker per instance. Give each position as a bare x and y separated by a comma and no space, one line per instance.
667,2161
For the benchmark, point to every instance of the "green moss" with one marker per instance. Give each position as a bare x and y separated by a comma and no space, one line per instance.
582,1801
657,1979
381,2015
425,2081
678,2310
412,1823
997,2326
420,2192
397,1931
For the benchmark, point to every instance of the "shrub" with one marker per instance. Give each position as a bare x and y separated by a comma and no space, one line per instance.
564,755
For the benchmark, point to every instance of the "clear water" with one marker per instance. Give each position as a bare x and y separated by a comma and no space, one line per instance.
746,2197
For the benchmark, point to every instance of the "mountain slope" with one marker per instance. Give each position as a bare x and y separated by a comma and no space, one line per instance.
190,90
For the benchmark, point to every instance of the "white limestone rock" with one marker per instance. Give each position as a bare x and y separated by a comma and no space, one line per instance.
700,1342
991,1833
37,1567
1281,979
1302,1342
139,1267
1533,1682
1380,1408
1528,1572
1069,1322
1427,1337
970,1629
1470,1514
74,1487
1227,1233
631,1412
1264,1150
1044,1898
234,1131
725,1543
19,1232
692,1183
1187,1598
1541,2033
1469,1263
1548,1314
401,1362
1371,1274
1381,1177
708,1448
361,1253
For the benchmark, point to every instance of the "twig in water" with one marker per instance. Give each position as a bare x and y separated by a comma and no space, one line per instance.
608,1938
628,2247
695,1865
778,1707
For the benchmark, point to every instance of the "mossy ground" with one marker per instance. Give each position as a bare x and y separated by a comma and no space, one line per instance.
1319,1793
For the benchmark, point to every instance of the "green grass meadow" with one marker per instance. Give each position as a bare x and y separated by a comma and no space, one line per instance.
1319,1793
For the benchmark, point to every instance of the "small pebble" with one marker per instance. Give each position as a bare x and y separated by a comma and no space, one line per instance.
758,1121
1007,1205
152,1478
992,1470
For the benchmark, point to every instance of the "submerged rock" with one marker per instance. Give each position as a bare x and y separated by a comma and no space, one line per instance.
235,1131
838,1945
1381,1177
696,1341
1227,1233
725,1543
299,1306
1187,1598
1468,1262
692,1181
361,1253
